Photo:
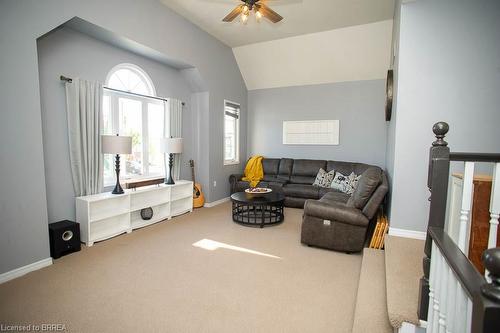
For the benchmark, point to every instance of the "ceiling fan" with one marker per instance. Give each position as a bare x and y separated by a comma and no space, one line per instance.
261,10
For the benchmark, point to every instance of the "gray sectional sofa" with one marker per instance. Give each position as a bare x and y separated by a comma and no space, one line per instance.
331,219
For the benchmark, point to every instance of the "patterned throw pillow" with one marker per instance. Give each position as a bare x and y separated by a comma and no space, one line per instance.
346,184
323,178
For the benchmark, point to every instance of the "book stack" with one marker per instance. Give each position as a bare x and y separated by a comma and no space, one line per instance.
381,229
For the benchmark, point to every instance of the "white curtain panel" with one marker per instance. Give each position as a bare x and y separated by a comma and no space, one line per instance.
174,107
83,107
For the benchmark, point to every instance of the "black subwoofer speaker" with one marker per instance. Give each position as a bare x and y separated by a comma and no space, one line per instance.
64,238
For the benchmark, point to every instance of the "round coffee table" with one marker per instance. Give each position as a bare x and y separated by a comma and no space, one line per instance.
258,210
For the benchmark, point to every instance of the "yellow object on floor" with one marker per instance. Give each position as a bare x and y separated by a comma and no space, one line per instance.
381,229
254,171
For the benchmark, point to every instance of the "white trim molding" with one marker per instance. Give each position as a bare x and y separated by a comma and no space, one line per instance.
411,328
15,273
407,233
217,202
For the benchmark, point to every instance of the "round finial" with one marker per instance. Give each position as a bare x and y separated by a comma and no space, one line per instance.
491,261
440,129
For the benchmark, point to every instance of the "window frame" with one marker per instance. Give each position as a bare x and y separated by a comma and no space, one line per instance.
114,109
236,160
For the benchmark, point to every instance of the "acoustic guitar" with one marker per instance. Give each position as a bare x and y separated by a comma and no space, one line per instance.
198,197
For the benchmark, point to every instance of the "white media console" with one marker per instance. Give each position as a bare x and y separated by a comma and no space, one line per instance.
105,215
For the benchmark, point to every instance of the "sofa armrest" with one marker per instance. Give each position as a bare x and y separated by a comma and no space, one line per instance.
233,180
334,211
377,198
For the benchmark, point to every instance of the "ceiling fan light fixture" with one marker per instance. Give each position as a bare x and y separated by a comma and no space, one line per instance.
245,9
258,15
244,17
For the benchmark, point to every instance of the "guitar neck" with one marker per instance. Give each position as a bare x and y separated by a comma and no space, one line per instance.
192,174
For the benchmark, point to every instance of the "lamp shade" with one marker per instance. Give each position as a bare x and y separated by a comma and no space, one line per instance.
114,144
171,145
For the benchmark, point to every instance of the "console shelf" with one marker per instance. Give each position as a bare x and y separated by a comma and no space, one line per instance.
105,215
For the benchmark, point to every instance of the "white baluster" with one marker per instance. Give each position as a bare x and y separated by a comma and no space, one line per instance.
432,277
466,204
468,319
437,290
494,207
450,306
461,310
443,295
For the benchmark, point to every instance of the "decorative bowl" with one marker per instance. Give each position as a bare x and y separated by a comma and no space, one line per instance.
257,191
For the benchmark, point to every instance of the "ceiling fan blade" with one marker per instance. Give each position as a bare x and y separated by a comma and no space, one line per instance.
234,14
269,13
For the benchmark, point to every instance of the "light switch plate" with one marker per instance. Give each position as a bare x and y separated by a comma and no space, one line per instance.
327,222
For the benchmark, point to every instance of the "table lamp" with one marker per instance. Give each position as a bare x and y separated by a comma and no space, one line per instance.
171,146
115,144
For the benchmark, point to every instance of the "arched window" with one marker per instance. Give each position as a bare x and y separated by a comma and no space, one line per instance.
137,116
131,78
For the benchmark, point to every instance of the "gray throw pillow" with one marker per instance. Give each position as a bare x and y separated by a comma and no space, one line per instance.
368,183
345,184
323,178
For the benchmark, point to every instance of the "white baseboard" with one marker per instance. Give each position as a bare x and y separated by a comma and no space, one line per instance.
215,203
407,233
7,276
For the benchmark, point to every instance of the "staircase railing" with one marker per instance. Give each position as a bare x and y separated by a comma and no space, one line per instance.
454,296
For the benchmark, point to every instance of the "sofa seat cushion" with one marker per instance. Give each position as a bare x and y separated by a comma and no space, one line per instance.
330,195
367,184
270,178
306,180
241,185
301,191
275,185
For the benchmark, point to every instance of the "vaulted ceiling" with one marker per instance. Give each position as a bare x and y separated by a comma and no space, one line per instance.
300,17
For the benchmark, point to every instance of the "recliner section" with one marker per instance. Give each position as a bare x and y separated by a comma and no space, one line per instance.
331,219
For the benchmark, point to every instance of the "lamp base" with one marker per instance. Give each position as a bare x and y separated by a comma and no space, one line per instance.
118,188
170,180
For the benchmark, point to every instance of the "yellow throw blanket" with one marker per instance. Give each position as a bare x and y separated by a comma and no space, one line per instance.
254,171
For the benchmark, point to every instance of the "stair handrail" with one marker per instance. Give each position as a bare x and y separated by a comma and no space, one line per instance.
485,295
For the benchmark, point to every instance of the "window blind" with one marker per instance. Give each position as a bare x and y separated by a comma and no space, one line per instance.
232,110
311,132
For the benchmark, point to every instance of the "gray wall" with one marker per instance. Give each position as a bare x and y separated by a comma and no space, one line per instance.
74,54
23,202
358,105
391,125
448,69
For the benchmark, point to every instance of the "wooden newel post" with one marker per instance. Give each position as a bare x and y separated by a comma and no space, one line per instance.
486,310
437,182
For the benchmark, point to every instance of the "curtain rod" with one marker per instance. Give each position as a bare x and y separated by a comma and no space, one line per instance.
68,79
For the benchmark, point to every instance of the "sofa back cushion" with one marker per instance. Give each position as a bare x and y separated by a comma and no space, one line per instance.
368,183
305,171
346,168
285,169
271,166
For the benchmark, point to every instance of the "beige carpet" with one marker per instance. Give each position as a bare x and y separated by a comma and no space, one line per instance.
371,305
403,264
155,280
